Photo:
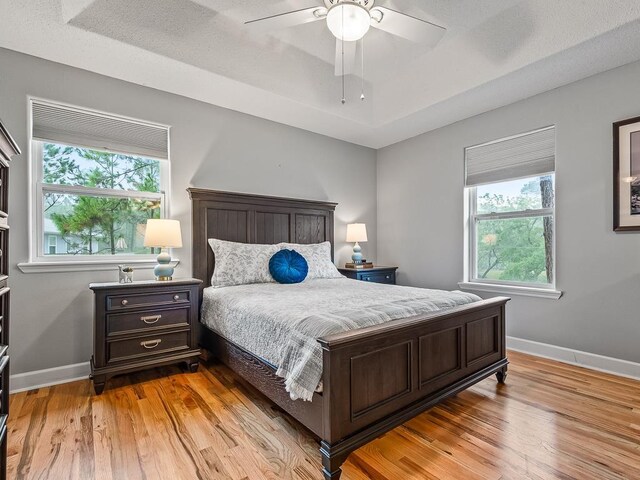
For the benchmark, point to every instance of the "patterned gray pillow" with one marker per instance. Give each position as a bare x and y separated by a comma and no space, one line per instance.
318,257
241,263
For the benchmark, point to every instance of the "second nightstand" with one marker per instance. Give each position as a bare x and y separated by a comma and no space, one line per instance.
143,325
375,274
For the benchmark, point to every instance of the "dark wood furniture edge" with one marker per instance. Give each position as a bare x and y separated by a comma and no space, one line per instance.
143,283
251,198
166,360
8,146
344,429
377,274
372,269
14,145
8,149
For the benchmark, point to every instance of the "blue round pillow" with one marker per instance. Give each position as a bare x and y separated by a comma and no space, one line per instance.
288,266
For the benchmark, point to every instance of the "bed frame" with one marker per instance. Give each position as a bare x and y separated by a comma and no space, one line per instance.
374,378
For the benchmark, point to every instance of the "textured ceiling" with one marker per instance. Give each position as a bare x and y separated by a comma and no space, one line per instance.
494,52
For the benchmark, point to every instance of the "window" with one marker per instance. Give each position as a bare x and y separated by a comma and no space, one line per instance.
53,244
511,190
98,179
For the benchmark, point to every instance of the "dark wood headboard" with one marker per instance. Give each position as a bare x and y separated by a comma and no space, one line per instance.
240,217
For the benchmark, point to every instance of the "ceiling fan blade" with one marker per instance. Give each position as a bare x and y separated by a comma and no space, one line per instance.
289,19
406,26
349,57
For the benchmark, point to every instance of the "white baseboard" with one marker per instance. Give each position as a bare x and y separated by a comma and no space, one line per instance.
616,366
49,376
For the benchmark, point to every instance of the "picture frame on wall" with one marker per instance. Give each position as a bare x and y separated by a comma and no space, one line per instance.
626,175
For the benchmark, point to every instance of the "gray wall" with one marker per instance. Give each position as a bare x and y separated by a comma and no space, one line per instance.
420,213
210,147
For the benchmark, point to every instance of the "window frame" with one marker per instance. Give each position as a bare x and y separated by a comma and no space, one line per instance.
42,188
38,262
471,274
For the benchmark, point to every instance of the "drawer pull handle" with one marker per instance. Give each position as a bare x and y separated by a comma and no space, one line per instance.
176,297
151,343
387,277
124,302
151,319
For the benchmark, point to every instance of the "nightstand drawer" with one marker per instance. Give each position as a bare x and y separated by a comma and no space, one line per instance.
378,277
376,274
146,320
119,302
147,346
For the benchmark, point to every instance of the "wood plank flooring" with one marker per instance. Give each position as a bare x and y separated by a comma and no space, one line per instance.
550,420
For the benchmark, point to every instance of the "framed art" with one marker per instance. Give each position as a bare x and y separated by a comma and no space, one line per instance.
626,175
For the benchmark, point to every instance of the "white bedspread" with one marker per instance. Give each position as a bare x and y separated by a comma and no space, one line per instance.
281,323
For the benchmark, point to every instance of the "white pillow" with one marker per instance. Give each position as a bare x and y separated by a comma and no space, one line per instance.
241,263
318,257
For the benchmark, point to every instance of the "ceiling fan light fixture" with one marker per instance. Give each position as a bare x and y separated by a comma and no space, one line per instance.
348,21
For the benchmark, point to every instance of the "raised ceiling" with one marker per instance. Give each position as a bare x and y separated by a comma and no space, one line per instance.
494,52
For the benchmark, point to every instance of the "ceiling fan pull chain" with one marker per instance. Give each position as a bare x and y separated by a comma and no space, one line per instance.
362,66
344,100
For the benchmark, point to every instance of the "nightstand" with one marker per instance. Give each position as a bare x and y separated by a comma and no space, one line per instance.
143,325
375,274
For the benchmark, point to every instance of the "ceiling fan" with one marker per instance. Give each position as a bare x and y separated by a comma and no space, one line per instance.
349,21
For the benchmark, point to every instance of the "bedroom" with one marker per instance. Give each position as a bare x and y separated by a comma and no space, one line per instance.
258,111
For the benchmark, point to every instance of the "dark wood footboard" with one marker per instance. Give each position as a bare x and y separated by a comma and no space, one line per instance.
379,377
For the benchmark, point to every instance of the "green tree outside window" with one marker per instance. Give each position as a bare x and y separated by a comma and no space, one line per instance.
99,224
516,249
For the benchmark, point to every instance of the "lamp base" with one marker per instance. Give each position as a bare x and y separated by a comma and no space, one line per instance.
357,254
163,270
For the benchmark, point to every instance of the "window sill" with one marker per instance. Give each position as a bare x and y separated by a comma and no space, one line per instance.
511,290
87,265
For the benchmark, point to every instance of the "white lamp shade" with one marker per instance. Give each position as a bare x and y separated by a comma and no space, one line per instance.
163,233
356,232
348,21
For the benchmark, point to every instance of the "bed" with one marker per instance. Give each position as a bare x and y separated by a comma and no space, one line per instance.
373,378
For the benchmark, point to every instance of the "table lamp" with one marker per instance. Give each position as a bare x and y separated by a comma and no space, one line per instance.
356,232
163,233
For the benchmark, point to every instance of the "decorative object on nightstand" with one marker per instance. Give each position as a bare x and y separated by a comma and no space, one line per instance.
374,274
143,325
357,232
125,274
163,233
360,266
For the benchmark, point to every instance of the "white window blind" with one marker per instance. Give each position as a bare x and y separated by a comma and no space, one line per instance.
527,155
75,126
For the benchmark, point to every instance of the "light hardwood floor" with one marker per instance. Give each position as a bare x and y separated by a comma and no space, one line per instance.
550,420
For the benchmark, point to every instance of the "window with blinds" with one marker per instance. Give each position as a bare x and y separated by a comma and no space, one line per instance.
99,177
511,189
